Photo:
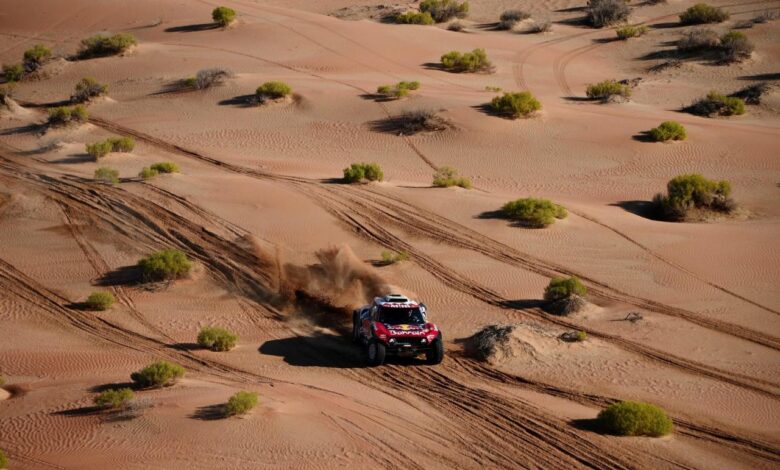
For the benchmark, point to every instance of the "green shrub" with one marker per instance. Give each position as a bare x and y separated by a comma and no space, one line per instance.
217,339
515,105
88,88
223,15
630,418
273,90
64,115
447,176
148,173
474,61
158,374
165,167
101,45
630,31
399,90
121,144
607,90
444,10
693,191
98,150
3,460
105,174
358,172
668,130
114,398
735,47
388,257
35,56
100,300
13,72
533,212
581,336
240,403
702,13
412,17
563,287
165,264
606,12
715,103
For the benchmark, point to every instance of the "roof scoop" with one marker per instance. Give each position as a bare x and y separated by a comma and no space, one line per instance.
396,298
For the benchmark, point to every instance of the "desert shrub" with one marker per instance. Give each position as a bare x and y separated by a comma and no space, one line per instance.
114,398
217,339
630,418
240,403
223,15
105,174
13,72
98,150
766,17
751,94
3,460
64,115
100,300
35,56
539,27
207,78
606,12
273,90
121,144
165,264
582,336
358,172
147,173
494,89
101,45
389,257
399,90
563,287
447,176
413,121
702,13
492,343
701,39
693,191
456,26
86,89
715,103
631,31
158,374
6,92
516,105
165,167
444,10
735,47
607,90
533,212
509,18
413,17
574,336
474,61
668,130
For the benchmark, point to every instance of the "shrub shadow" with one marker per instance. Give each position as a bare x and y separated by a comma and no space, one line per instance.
210,412
761,76
75,159
522,304
83,411
643,136
487,109
645,209
588,424
578,21
193,28
241,101
668,25
124,276
26,129
571,9
434,66
186,346
103,387
174,87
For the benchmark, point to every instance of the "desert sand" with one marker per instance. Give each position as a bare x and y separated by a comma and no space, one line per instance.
258,207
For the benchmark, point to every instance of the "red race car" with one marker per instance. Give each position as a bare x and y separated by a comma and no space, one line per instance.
394,325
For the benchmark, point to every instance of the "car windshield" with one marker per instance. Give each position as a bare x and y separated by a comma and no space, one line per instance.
401,316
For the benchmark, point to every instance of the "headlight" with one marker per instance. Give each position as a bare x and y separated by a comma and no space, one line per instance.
392,340
431,337
423,341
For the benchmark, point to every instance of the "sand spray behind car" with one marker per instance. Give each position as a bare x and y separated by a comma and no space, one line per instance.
324,292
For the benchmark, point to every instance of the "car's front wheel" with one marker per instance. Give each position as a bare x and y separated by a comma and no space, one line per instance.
355,327
376,353
436,354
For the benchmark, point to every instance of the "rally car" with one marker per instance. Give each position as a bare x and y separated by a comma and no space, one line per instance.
394,325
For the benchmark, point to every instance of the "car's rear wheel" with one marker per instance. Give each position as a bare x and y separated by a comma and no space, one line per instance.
355,327
436,354
376,353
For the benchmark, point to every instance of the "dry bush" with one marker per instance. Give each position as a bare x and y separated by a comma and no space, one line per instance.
446,177
566,306
607,12
490,342
415,121
574,336
715,103
697,40
456,26
413,17
510,18
766,17
444,10
630,31
86,89
539,27
751,94
208,78
702,13
735,47
35,56
107,175
608,90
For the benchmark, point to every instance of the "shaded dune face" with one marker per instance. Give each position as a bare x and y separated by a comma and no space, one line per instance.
682,315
